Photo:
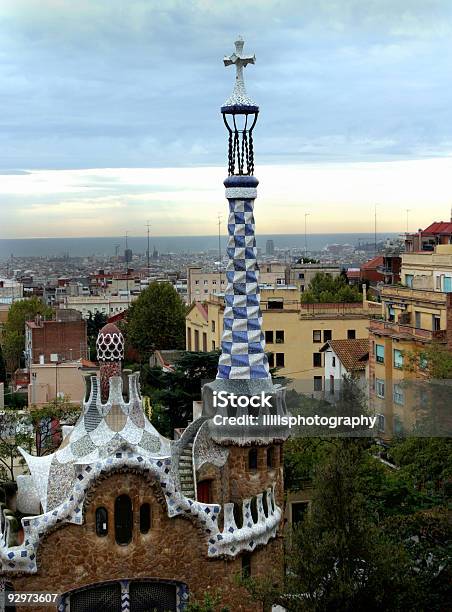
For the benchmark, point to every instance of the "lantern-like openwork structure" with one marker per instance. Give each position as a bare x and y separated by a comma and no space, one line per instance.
240,116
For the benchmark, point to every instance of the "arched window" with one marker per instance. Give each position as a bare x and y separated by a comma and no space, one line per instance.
123,519
101,521
254,512
270,457
252,459
265,503
204,491
238,515
145,517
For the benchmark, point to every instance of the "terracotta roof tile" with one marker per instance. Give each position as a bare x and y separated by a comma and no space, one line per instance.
439,227
373,263
353,354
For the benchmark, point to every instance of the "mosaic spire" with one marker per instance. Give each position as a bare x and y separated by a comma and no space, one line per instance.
243,345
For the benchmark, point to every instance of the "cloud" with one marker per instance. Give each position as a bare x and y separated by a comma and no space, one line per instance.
13,172
119,102
187,201
104,84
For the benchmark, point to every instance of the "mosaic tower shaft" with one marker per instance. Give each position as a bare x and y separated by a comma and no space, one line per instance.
243,344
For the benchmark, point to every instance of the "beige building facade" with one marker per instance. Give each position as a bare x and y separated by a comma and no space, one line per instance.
412,320
428,270
107,305
58,380
294,332
201,284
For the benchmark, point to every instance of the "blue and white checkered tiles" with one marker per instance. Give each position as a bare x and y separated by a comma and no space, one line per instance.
243,345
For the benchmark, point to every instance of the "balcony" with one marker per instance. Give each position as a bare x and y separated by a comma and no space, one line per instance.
385,270
397,293
388,328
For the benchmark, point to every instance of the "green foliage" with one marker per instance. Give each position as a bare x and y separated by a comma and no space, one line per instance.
38,431
301,456
25,310
16,401
337,559
156,320
13,348
13,339
2,367
324,288
307,260
376,537
173,392
94,324
210,603
15,430
434,361
47,424
427,462
426,538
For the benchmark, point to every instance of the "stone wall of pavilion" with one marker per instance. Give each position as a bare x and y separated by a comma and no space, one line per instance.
75,556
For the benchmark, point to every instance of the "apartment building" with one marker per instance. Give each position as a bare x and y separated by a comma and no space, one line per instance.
116,284
412,319
201,283
437,233
294,333
62,339
107,305
301,274
10,291
58,380
431,270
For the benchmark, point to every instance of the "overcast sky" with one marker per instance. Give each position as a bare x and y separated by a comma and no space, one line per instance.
355,97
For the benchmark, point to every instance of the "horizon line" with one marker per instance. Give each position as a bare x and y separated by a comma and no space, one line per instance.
144,236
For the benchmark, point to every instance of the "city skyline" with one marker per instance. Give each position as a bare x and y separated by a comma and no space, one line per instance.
104,125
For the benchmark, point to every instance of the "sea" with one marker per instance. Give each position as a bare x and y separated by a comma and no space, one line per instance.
107,246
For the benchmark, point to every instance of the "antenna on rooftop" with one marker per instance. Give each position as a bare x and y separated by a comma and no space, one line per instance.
147,252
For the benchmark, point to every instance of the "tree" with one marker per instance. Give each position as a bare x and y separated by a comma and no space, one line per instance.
14,330
93,326
210,603
376,537
13,348
324,288
25,310
172,393
156,320
427,462
38,431
47,422
95,323
434,361
2,367
15,430
337,559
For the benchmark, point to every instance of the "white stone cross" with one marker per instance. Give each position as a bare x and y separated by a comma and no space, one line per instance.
239,95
